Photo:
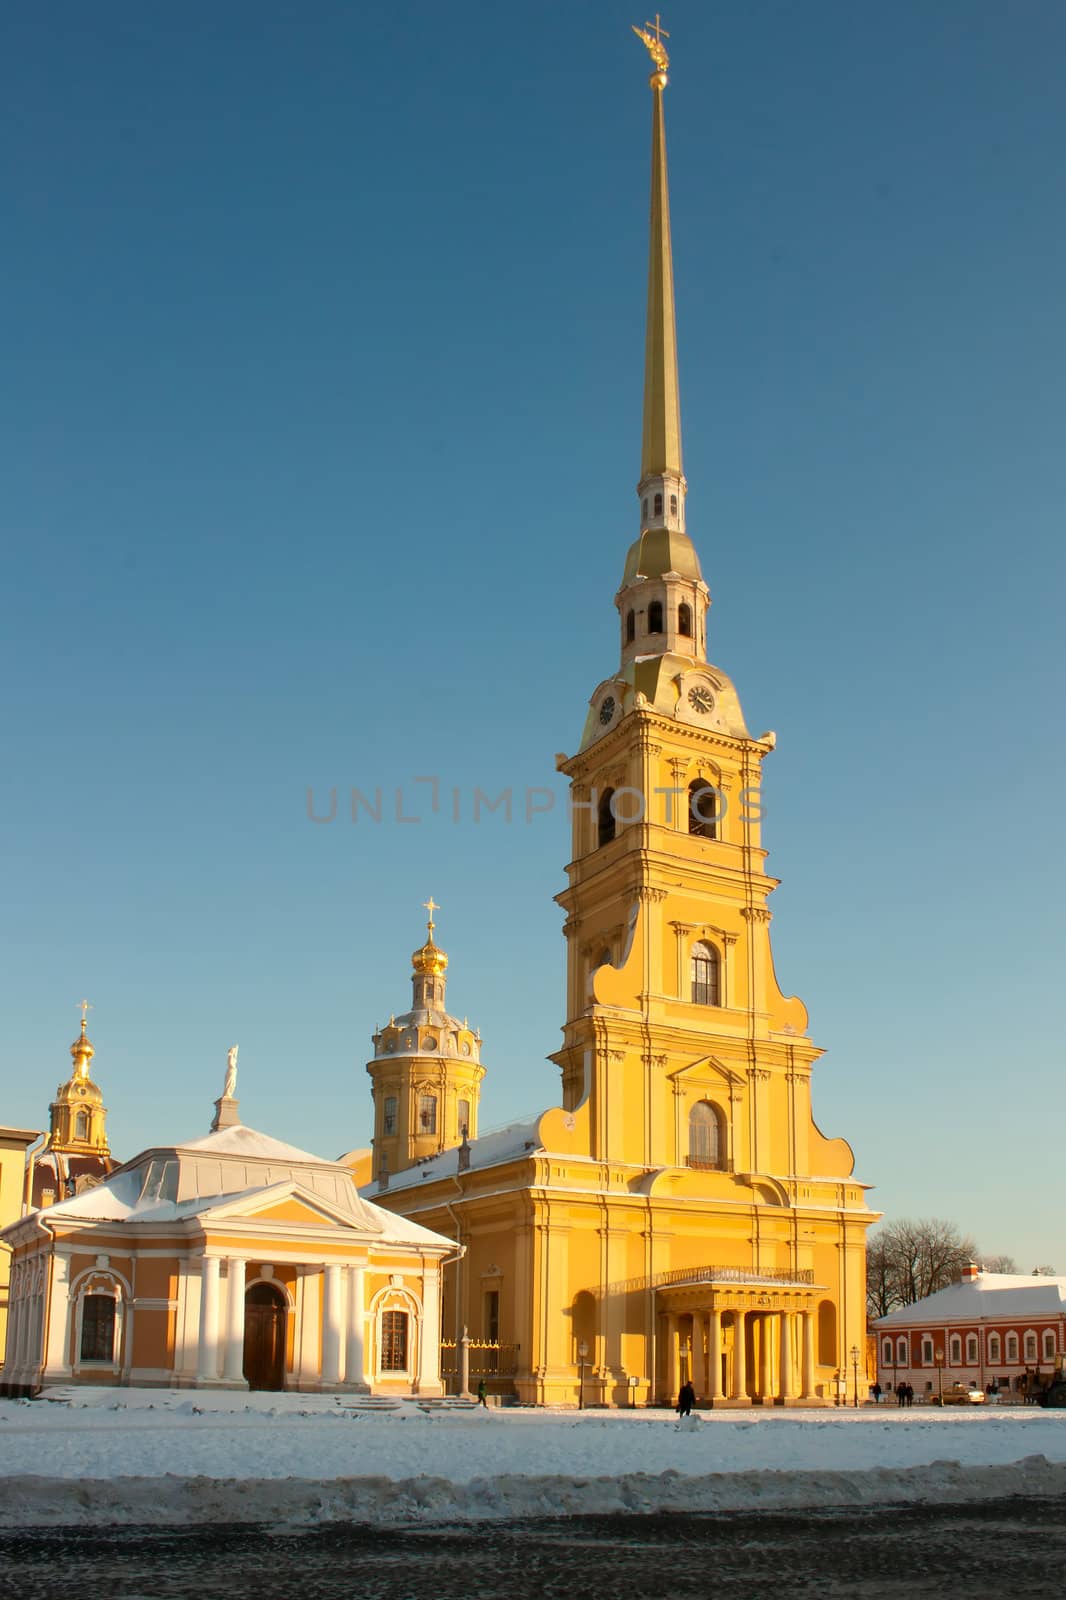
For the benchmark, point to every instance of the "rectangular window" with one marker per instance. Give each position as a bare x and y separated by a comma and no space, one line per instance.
492,1316
98,1328
927,1352
388,1124
427,1113
394,1341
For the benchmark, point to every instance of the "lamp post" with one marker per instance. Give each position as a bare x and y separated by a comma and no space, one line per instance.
855,1354
582,1352
938,1357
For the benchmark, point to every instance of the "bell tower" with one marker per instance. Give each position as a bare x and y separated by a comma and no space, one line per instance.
77,1155
426,1071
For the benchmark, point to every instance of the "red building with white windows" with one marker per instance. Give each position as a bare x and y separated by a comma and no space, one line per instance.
990,1326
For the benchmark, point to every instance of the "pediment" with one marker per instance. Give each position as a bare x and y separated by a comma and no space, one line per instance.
290,1204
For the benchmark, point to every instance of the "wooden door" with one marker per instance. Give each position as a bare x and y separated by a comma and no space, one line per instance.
264,1337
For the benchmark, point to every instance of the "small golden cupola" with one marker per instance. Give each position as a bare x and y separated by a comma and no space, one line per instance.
426,1070
77,1155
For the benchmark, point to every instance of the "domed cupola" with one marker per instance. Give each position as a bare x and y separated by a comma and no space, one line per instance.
426,1070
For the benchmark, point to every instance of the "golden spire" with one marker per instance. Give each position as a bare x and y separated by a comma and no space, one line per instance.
661,449
81,1049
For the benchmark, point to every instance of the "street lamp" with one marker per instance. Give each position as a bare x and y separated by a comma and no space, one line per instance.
939,1359
855,1354
582,1352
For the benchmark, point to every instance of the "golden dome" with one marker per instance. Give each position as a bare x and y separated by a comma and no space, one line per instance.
83,1052
430,959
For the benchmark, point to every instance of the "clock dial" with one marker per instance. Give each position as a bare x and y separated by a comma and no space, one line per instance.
607,709
701,699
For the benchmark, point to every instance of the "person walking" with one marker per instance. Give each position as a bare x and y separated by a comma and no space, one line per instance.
876,1392
482,1395
686,1399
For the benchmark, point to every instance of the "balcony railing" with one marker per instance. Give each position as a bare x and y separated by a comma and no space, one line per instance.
680,1275
708,1164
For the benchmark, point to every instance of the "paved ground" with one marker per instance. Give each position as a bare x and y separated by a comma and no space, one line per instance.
1000,1549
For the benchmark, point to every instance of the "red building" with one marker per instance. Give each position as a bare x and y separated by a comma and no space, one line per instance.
989,1327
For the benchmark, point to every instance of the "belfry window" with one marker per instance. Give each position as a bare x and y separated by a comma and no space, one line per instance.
702,809
655,617
427,1113
608,827
706,1136
631,626
388,1121
673,505
81,1125
464,1119
98,1328
658,505
705,975
394,1341
644,509
684,620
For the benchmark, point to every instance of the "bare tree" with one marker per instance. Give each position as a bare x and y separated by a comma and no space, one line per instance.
1044,1272
907,1260
997,1263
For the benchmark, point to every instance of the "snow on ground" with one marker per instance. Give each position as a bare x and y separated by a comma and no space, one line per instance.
114,1455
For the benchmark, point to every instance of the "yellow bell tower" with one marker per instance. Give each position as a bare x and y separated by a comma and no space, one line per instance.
426,1071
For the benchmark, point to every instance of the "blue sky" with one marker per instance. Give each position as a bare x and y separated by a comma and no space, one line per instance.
323,332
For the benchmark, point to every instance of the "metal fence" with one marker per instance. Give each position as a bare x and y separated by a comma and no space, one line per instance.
488,1359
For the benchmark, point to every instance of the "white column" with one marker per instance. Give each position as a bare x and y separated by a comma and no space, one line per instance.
740,1356
808,1355
207,1365
57,1350
233,1370
788,1388
429,1332
672,1378
766,1371
354,1368
714,1355
331,1325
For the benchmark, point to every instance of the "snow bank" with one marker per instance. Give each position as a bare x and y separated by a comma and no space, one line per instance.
128,1456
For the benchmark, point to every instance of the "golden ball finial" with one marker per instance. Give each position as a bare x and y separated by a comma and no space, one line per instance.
430,958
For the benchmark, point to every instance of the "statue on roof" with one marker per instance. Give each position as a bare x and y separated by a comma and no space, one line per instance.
229,1088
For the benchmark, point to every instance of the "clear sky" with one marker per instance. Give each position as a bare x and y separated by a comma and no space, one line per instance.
322,338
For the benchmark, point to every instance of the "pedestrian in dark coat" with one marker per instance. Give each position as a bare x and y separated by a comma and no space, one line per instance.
686,1399
482,1394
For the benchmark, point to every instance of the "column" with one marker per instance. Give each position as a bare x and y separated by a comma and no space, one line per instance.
788,1388
56,1356
331,1325
429,1333
673,1381
355,1360
808,1355
740,1356
714,1355
207,1364
766,1375
233,1369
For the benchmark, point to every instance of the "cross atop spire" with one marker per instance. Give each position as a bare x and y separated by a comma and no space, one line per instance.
431,906
85,1006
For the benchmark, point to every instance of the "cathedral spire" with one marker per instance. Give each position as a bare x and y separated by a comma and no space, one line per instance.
661,449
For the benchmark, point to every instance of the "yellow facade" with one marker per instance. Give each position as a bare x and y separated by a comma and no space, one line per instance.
679,1214
14,1142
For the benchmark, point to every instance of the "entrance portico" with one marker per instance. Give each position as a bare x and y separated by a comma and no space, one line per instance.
739,1343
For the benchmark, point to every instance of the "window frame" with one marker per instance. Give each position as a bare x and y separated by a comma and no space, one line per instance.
704,990
394,1341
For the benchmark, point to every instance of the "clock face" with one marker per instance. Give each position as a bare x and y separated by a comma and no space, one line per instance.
606,710
701,699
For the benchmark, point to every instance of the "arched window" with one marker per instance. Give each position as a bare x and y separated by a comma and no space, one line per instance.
388,1121
1012,1347
464,1119
971,1349
608,827
993,1347
81,1125
1049,1344
98,1327
1030,1347
644,508
673,505
684,620
706,1136
655,617
658,505
902,1353
394,1341
704,975
427,1113
703,809
955,1351
827,1334
631,626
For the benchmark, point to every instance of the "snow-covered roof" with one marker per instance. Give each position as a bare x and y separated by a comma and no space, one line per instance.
238,1140
504,1144
999,1295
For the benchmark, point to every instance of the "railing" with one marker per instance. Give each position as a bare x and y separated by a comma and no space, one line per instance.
705,1164
488,1359
797,1275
